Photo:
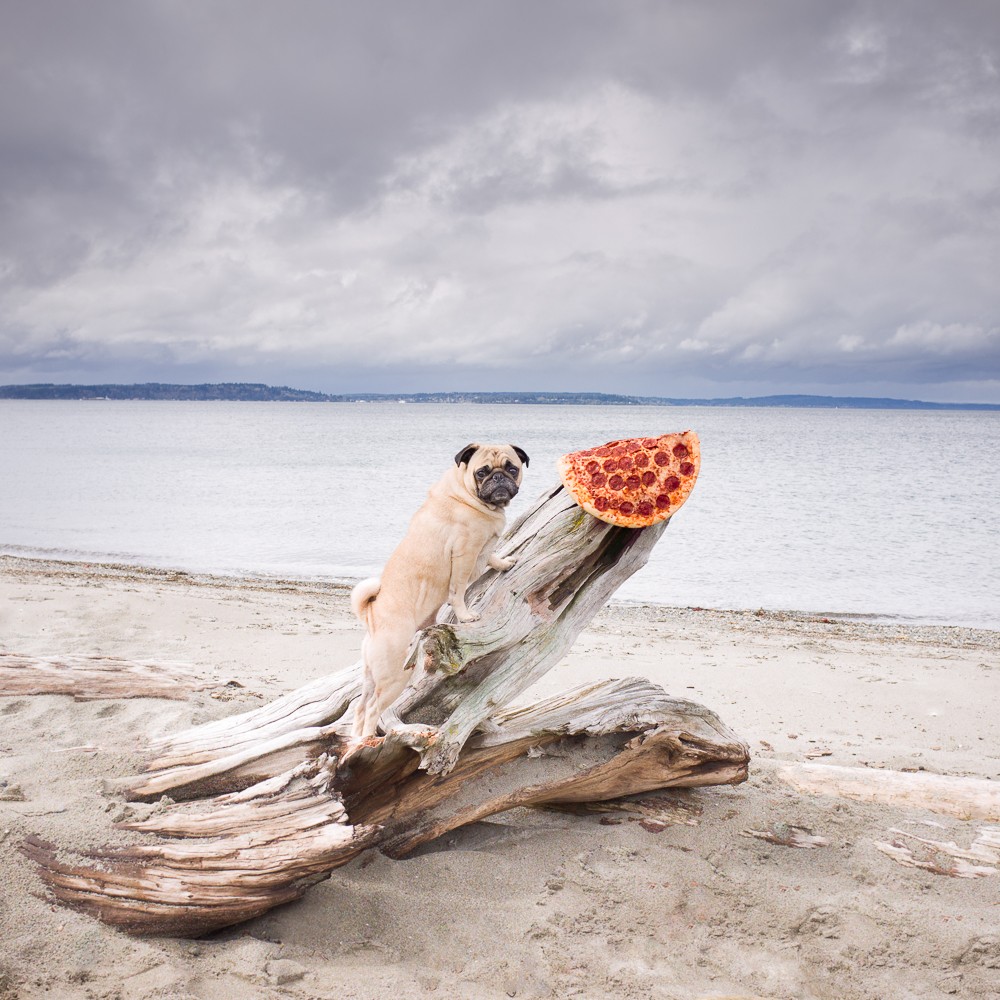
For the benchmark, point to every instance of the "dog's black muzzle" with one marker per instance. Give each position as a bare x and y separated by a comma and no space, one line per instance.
498,488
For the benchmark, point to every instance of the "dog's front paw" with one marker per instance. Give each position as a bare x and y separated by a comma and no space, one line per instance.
502,565
467,617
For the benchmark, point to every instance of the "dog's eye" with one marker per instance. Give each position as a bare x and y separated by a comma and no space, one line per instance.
483,472
512,469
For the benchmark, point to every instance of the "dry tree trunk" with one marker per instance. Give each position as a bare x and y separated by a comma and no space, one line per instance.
290,806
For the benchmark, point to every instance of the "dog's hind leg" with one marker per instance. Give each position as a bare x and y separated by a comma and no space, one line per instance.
367,696
384,654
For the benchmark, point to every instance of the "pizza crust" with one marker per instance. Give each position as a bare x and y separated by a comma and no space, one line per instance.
634,482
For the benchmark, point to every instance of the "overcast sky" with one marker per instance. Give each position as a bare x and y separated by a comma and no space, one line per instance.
680,198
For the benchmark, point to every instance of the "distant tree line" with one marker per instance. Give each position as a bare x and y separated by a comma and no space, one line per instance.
258,392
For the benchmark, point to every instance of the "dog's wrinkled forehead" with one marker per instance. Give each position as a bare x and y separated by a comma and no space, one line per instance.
493,456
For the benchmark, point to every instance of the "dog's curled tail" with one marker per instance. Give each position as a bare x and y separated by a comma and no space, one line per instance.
362,597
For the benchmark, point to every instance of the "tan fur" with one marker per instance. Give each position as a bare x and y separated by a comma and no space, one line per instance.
362,597
450,541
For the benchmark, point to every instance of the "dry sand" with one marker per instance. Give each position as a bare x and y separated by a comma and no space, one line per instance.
534,903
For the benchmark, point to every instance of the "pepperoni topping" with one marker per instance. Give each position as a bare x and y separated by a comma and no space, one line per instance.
645,480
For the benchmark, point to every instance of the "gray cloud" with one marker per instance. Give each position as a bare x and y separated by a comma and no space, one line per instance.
650,197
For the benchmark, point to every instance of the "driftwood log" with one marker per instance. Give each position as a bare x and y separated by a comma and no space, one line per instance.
282,800
946,794
88,678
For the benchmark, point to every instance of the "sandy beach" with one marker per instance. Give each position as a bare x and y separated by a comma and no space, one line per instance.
531,903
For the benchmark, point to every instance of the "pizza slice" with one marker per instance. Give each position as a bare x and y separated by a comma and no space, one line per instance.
635,482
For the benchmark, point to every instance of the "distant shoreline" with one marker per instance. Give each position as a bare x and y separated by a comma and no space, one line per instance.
260,393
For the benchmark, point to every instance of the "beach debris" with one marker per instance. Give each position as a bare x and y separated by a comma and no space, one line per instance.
980,859
11,792
789,836
819,752
88,678
964,798
279,803
282,971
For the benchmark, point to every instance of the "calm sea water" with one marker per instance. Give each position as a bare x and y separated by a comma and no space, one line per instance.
875,513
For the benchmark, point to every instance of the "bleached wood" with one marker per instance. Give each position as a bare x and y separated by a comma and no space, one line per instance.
243,749
88,678
980,859
966,798
239,854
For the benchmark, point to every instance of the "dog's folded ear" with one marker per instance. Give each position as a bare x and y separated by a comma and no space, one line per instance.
462,458
521,453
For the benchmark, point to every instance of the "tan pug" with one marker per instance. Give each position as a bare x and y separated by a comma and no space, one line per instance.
450,542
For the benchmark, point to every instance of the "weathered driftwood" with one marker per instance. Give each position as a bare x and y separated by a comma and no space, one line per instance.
241,750
296,805
788,835
979,859
568,565
242,853
88,678
966,798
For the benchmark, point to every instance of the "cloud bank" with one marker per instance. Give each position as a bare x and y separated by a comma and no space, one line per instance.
646,197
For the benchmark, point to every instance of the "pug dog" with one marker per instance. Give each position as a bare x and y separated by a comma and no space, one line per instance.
450,542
